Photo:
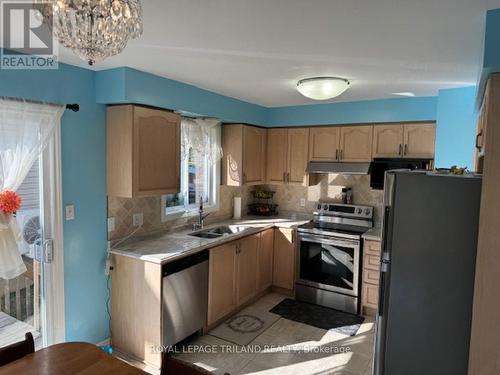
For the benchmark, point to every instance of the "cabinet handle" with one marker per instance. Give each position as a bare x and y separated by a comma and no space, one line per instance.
400,149
244,178
406,149
480,134
284,176
288,177
336,154
341,154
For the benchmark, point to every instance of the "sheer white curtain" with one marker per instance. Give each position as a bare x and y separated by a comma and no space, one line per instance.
25,129
203,137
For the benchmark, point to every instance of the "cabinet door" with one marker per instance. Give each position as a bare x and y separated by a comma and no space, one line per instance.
387,141
156,152
298,145
419,140
369,296
284,259
276,155
324,143
254,155
221,281
266,251
356,143
246,285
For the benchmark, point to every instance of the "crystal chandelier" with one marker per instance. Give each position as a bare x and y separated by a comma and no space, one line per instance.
93,29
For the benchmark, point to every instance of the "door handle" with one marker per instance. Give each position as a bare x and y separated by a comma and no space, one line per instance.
480,134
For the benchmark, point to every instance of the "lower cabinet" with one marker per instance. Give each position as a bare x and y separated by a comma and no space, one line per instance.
222,281
265,256
238,271
284,259
247,268
371,274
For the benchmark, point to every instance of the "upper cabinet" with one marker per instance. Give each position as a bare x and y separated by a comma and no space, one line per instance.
404,141
244,161
138,161
287,155
346,143
324,143
356,143
419,141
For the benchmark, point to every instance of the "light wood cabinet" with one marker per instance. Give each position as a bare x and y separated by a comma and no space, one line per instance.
371,274
287,155
247,268
136,305
284,259
276,156
419,141
414,141
265,256
297,155
244,161
143,151
222,281
388,141
324,143
356,143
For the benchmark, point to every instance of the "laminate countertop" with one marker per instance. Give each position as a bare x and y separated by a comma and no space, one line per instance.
374,234
165,247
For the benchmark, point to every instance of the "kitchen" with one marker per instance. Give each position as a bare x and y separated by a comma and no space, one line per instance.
324,207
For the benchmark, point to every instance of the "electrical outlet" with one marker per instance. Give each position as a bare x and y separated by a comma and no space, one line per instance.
70,212
111,224
302,202
137,219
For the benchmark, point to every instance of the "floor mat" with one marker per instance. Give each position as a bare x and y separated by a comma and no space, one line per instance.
318,316
245,326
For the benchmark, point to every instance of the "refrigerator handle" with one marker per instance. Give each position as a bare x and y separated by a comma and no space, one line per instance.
381,296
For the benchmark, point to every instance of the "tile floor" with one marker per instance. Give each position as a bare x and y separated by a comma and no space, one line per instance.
306,349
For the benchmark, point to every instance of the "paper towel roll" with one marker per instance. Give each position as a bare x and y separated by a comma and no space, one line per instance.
237,208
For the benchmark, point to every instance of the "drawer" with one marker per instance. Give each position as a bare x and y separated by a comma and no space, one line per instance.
369,296
371,276
371,262
372,248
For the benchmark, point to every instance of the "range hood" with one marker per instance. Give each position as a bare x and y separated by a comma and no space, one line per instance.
337,167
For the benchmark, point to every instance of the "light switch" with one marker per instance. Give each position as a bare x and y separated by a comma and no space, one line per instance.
70,212
302,202
111,224
137,219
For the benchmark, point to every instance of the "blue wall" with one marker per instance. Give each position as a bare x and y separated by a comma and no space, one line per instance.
491,52
126,85
369,111
84,185
456,127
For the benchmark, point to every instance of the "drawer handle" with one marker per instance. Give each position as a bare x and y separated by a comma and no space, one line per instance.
480,134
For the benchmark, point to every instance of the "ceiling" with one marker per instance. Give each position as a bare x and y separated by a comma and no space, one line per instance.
256,50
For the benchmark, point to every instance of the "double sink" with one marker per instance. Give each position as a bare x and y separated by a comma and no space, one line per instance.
218,231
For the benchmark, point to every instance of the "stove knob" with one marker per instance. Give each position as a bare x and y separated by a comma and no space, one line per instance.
325,207
319,207
360,210
367,211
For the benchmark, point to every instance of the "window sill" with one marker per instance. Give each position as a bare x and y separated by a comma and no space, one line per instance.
187,214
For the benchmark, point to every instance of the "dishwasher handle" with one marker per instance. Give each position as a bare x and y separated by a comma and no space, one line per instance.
184,263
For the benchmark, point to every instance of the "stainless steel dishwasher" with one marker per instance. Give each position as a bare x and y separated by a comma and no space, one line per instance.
185,297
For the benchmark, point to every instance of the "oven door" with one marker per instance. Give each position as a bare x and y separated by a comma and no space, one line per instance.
329,263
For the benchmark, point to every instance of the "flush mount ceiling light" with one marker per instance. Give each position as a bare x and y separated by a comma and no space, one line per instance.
93,29
406,93
322,88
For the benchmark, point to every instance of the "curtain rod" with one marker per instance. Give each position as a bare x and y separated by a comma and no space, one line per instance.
72,106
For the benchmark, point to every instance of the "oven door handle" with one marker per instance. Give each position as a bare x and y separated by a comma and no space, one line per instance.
327,241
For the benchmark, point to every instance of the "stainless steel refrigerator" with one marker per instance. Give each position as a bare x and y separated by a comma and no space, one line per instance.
426,284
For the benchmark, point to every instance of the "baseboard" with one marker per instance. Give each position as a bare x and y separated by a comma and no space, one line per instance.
105,342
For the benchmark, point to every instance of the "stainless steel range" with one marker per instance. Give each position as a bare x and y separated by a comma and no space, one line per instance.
329,260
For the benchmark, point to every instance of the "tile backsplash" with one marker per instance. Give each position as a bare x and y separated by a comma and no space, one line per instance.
288,197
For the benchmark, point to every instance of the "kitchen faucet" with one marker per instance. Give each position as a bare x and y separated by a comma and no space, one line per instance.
201,216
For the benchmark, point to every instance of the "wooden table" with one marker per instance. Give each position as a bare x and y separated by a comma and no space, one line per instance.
68,359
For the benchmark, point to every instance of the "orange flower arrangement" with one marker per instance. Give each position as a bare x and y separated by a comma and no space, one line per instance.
10,202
